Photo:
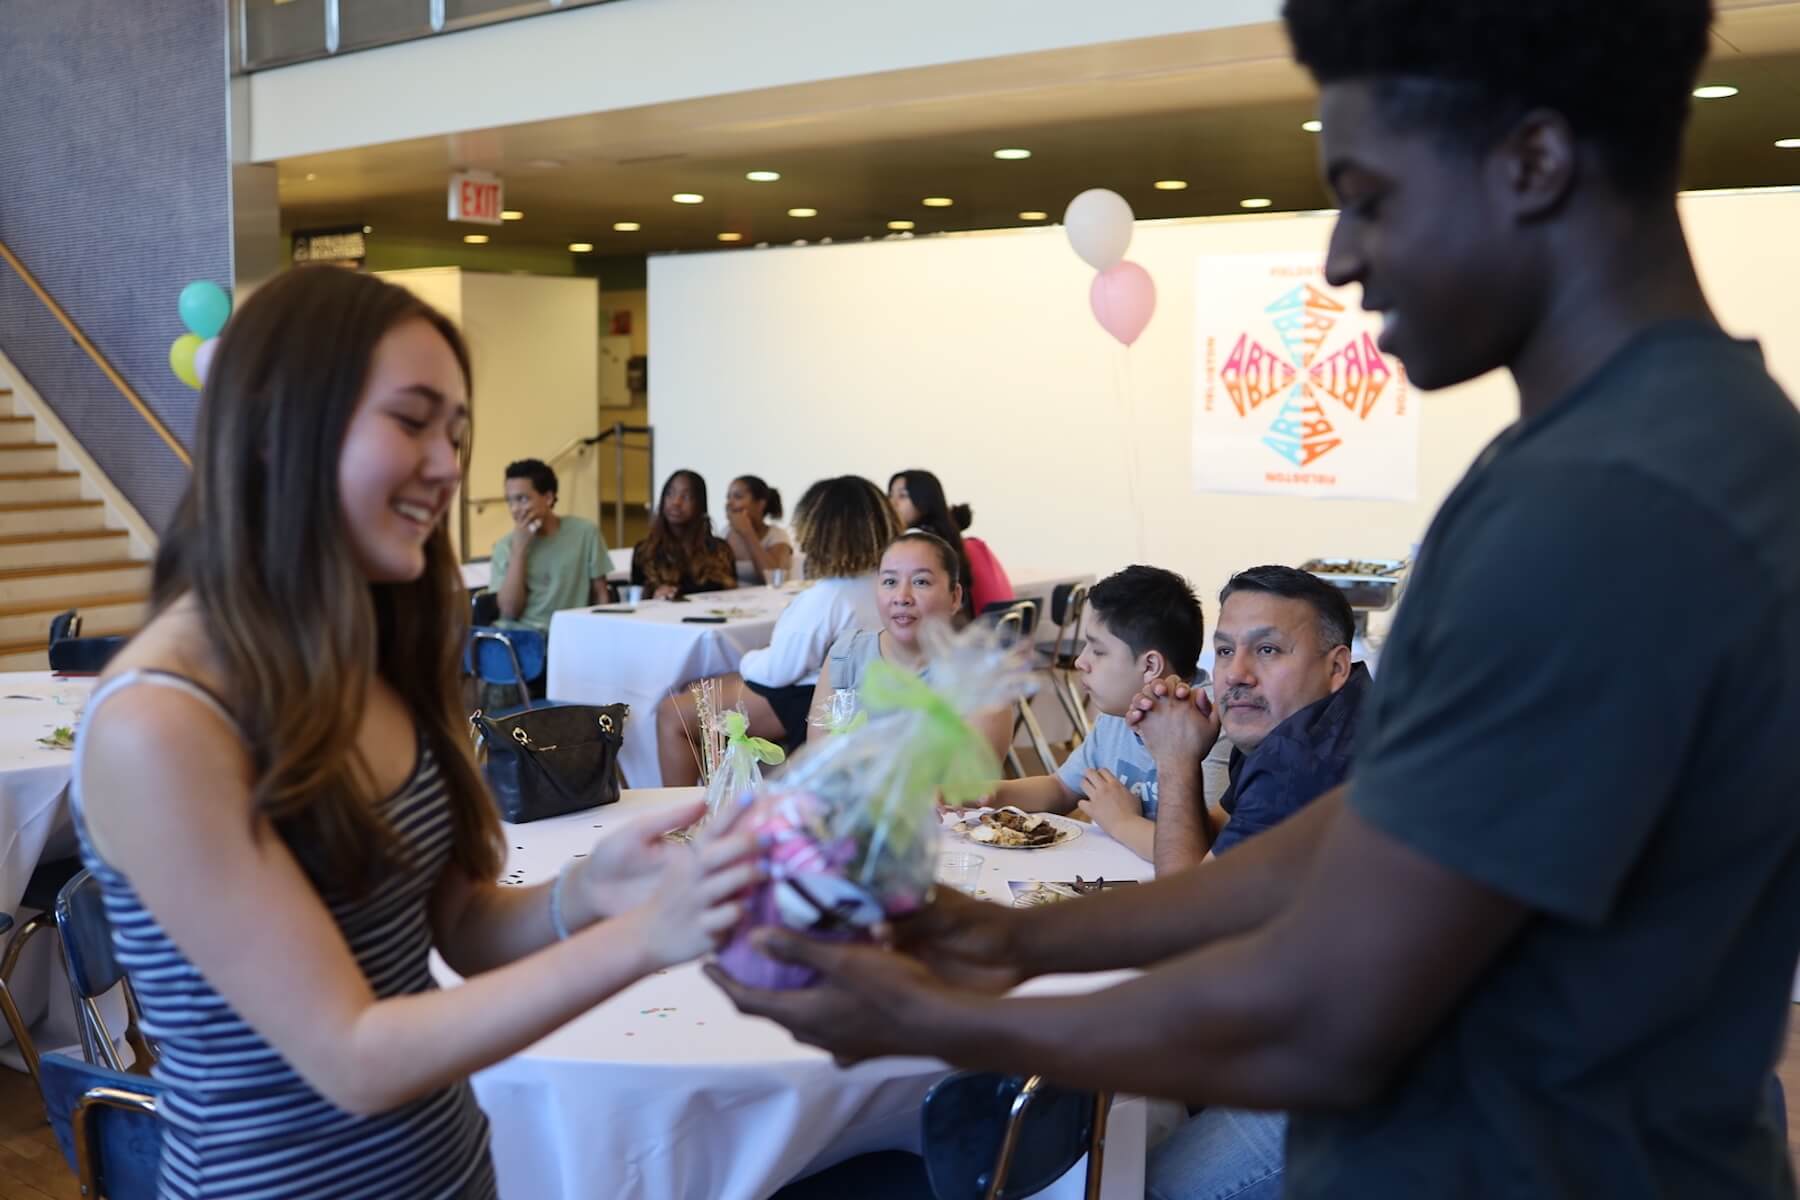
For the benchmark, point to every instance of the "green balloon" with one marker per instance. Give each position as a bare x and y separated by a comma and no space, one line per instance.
204,307
181,359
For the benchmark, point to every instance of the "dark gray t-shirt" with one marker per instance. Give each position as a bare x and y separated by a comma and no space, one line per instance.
1590,702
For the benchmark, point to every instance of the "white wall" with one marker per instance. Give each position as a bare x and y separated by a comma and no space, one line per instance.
646,52
976,357
534,343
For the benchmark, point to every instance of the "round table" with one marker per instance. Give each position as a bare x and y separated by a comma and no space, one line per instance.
667,1092
603,655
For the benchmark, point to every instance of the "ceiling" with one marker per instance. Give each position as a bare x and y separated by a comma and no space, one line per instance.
1221,110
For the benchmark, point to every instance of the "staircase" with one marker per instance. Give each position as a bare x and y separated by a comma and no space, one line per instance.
59,549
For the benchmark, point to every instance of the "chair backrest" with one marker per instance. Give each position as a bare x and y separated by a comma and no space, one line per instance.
1068,637
94,970
106,1124
65,624
484,607
84,655
1014,618
505,656
973,1118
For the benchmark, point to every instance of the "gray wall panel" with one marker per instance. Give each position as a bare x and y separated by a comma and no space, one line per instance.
115,190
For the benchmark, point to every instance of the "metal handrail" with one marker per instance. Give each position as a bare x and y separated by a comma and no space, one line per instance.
99,359
578,445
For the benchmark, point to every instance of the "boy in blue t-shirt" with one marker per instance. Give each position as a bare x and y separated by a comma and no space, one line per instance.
1143,624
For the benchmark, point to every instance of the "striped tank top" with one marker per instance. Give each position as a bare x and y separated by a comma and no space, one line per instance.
238,1121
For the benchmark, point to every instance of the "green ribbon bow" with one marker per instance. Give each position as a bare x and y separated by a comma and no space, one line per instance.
948,756
737,733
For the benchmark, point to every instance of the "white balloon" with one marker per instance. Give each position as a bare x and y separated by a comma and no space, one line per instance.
1098,223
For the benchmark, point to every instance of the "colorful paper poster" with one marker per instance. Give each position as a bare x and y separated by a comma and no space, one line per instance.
1292,397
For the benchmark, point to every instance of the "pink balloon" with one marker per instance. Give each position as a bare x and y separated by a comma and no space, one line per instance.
1123,299
203,356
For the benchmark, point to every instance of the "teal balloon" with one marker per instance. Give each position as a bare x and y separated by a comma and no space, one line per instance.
204,307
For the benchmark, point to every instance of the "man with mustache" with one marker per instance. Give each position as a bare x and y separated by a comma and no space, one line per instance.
1286,695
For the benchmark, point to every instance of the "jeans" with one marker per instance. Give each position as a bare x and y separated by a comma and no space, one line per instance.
1221,1154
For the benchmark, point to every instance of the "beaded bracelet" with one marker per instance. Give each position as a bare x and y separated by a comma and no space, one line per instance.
557,925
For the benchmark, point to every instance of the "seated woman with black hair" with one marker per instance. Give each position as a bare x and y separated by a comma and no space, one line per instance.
843,525
759,545
918,586
918,500
681,555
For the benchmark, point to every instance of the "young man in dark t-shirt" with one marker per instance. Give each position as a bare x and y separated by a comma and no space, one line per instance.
1541,943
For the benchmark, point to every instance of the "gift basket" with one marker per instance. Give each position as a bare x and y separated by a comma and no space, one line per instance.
849,832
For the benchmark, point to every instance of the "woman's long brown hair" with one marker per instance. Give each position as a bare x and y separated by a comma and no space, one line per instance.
260,542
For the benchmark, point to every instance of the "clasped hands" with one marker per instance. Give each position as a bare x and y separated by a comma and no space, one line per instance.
1174,719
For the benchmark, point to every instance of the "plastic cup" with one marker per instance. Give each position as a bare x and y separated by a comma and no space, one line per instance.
632,593
959,869
777,577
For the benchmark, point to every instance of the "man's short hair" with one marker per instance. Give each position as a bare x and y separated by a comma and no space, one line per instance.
539,472
1148,609
1337,624
1620,71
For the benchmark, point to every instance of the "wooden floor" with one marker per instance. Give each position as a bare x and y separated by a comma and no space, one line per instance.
32,1168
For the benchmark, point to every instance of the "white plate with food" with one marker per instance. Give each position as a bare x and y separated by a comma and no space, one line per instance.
1013,829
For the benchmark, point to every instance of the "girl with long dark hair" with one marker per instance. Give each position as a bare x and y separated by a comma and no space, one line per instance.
274,788
681,555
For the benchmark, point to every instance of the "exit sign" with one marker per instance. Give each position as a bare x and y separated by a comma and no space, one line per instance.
475,196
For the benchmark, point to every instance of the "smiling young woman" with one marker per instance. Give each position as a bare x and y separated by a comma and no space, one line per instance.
274,791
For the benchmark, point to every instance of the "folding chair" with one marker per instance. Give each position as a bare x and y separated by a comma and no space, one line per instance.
1041,1132
1015,620
1068,604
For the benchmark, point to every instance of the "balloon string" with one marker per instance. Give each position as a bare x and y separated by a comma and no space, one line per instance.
1122,392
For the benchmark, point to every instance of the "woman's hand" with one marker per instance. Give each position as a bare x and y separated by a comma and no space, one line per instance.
667,591
693,905
624,866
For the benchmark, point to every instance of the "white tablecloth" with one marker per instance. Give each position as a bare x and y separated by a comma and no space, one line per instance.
638,658
666,1092
32,777
34,825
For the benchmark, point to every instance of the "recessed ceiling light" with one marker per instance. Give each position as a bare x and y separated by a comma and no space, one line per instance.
1034,216
731,237
763,176
545,164
1788,144
900,226
581,247
368,229
511,214
1012,153
310,176
937,202
1171,185
687,197
475,239
803,212
1256,202
1313,126
626,227
1715,91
